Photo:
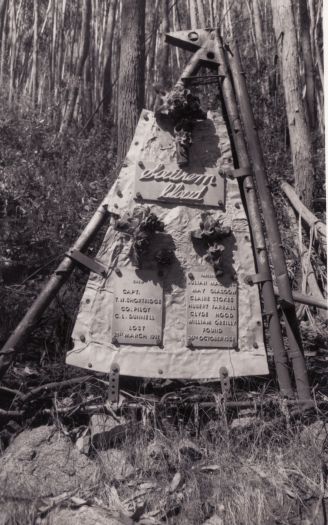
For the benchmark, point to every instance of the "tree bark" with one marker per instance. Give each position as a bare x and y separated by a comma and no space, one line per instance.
78,77
35,61
151,95
193,14
165,48
201,14
258,29
300,140
131,73
305,42
3,20
3,6
107,80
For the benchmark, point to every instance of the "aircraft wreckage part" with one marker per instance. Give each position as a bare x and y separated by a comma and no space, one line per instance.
151,335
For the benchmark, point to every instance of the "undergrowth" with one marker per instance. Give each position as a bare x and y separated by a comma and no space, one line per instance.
258,474
50,185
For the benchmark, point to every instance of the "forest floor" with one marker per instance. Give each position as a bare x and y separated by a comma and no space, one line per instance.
179,466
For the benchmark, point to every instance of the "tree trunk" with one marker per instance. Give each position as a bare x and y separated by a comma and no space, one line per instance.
300,140
193,14
107,80
201,14
252,31
307,58
165,48
258,29
35,62
152,56
4,15
85,30
3,5
131,73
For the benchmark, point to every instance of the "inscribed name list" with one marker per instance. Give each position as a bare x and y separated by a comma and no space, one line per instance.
212,316
138,308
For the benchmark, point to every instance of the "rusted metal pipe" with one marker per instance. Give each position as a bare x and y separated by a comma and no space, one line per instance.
48,293
192,66
274,239
262,263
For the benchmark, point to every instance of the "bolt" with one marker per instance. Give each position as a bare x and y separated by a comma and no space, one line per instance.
246,238
89,365
119,193
115,370
136,143
138,195
237,205
118,272
255,345
193,36
82,338
141,164
160,371
87,301
114,340
146,117
191,276
115,205
220,203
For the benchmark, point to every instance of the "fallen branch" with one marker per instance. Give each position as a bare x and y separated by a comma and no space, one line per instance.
14,414
311,220
306,299
50,387
307,268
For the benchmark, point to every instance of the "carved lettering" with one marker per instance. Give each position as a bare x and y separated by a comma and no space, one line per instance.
212,312
137,308
167,183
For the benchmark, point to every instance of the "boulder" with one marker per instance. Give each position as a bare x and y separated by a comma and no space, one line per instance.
83,516
114,464
42,462
106,430
189,450
214,520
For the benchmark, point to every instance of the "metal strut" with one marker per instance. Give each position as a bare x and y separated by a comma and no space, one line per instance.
275,244
206,43
254,217
50,290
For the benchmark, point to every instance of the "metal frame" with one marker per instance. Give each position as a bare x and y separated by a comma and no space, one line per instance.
209,50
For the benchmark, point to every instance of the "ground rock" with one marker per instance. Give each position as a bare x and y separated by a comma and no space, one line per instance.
214,520
157,451
188,449
243,422
42,462
317,433
83,516
106,430
115,464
